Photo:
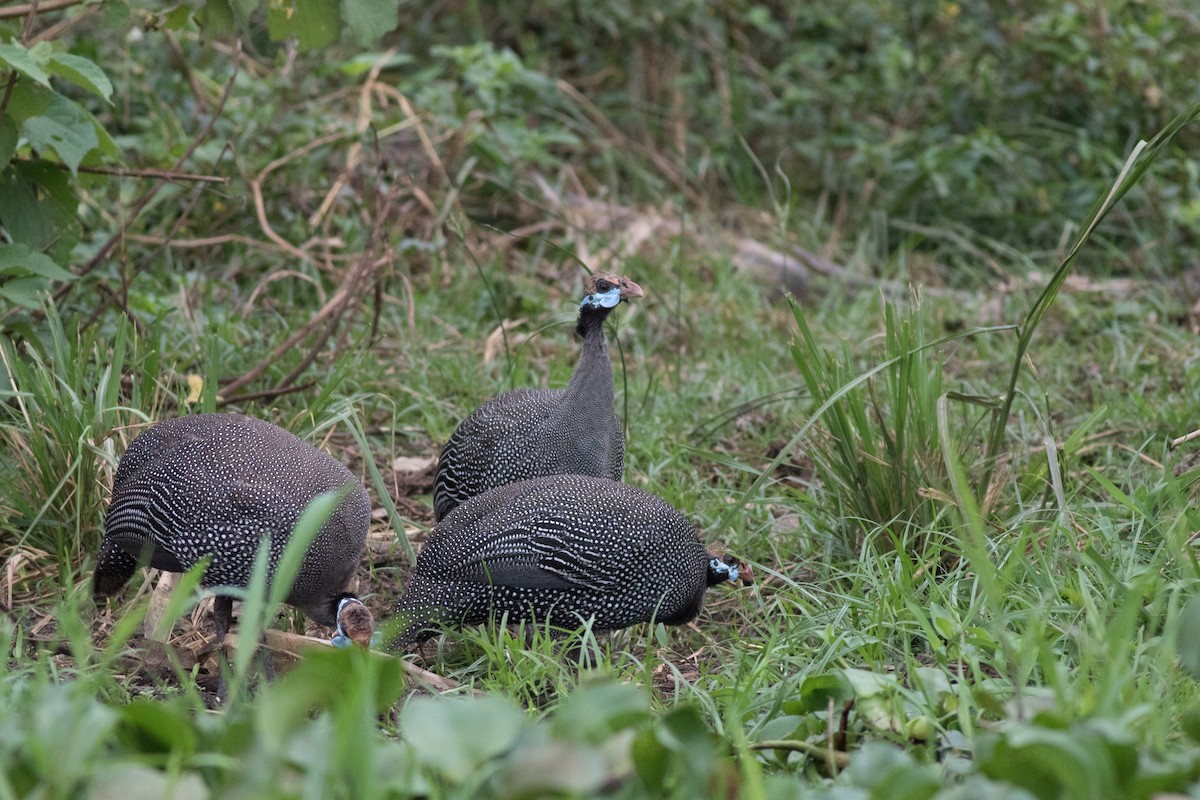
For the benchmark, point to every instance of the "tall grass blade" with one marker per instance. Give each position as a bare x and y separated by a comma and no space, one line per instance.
1135,166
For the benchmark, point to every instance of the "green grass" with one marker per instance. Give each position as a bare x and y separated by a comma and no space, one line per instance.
973,545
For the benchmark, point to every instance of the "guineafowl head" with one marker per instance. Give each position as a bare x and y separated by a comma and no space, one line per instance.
605,290
355,621
727,568
601,294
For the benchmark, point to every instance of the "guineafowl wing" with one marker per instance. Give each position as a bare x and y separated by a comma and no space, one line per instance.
545,552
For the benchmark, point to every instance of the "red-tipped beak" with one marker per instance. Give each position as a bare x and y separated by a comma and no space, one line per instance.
744,573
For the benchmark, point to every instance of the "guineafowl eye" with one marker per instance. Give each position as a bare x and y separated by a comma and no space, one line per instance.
558,550
526,433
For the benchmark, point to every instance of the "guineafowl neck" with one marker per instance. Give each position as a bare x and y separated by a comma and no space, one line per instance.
592,381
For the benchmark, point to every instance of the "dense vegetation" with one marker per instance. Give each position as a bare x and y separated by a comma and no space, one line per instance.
947,455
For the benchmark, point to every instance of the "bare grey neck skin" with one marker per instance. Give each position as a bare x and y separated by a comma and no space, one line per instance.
591,386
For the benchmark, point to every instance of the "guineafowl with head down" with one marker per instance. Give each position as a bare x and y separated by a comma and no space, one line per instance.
561,550
212,486
526,433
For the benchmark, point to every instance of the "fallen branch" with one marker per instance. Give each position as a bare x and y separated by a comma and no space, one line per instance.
294,644
33,9
162,174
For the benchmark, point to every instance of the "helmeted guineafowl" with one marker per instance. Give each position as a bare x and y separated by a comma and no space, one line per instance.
525,433
212,485
560,550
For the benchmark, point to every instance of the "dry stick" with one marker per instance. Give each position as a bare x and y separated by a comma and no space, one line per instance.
32,9
332,309
260,210
1185,438
62,26
293,644
329,315
145,199
208,241
831,757
163,174
267,394
598,116
354,153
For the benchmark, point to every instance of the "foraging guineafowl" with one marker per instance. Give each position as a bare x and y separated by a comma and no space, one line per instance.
525,433
212,485
561,549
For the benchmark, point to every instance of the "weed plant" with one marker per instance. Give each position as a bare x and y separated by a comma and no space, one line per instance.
974,548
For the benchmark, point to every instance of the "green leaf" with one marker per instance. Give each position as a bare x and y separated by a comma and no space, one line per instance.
18,57
817,691
52,122
132,781
314,23
458,735
369,20
155,727
593,713
64,135
25,219
551,768
8,139
19,259
81,72
1188,640
215,18
24,291
177,18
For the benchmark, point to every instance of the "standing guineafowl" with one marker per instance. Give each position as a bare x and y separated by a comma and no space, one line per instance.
212,485
560,550
525,433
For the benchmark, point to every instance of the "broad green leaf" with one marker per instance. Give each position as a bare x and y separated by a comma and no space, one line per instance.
25,292
551,768
817,691
129,780
369,20
177,18
458,735
81,72
314,23
53,122
215,18
8,139
593,713
70,136
18,57
25,219
19,259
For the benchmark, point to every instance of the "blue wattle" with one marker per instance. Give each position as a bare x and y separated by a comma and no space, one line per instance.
607,299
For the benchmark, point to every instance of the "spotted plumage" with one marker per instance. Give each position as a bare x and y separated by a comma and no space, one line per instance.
213,485
560,549
526,433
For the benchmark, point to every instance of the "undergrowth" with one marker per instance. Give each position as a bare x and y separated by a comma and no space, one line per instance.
972,540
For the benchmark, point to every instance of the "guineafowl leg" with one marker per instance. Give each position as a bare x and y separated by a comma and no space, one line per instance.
222,616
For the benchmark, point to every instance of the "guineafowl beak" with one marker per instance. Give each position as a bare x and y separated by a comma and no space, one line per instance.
355,622
630,290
